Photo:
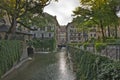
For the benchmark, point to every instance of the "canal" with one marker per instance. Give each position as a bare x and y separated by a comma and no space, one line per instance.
51,66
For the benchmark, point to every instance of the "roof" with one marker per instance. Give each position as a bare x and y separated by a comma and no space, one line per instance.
5,28
24,32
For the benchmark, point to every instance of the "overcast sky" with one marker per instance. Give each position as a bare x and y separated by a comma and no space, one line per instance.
62,9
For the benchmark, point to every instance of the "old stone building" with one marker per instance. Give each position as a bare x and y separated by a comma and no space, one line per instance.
74,35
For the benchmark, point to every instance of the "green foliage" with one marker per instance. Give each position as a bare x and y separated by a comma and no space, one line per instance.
100,13
109,71
100,46
113,41
85,45
38,20
43,44
92,40
75,44
79,44
10,52
93,67
24,12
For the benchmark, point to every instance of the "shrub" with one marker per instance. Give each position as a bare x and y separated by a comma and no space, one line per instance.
113,41
88,66
110,40
100,46
92,40
85,45
79,44
44,43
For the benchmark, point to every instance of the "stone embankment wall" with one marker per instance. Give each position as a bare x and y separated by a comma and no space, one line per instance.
111,51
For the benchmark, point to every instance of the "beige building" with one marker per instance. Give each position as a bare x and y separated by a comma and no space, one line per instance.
61,38
48,30
95,33
74,35
45,32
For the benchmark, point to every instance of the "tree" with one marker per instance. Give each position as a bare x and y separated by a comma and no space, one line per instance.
19,11
101,12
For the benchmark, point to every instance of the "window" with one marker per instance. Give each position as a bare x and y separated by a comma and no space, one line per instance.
79,34
49,34
94,35
71,38
79,38
91,35
42,35
49,28
71,30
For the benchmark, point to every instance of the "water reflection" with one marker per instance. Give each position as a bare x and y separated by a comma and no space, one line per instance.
65,72
45,67
62,63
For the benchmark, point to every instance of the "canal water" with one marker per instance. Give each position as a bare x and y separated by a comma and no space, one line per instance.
51,66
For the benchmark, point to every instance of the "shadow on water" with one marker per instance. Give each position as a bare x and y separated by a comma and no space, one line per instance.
52,66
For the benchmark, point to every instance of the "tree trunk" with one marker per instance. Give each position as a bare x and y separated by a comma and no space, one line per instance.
115,32
102,29
108,31
12,29
13,21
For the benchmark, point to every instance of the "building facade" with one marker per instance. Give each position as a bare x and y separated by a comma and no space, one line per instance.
74,35
61,38
45,32
95,33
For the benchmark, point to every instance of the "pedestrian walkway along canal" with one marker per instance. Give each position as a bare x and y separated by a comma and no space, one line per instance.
51,66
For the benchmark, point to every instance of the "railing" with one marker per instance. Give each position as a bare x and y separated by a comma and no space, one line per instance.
111,51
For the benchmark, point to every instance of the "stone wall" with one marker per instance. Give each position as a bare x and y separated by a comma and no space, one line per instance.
112,51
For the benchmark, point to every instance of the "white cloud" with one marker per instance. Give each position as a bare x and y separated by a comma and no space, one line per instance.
62,9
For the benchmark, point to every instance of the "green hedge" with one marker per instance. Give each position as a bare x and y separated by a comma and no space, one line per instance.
93,67
76,44
10,52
